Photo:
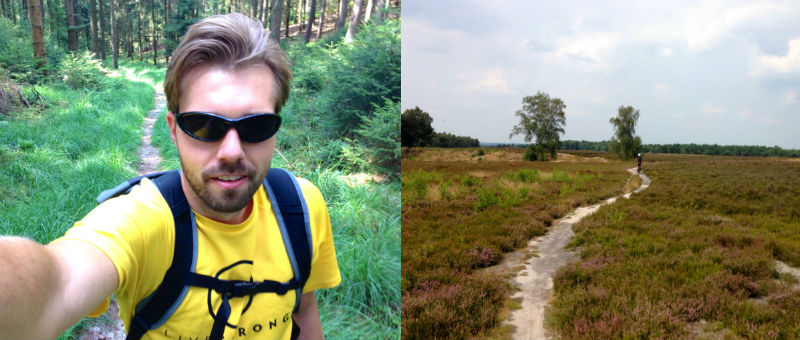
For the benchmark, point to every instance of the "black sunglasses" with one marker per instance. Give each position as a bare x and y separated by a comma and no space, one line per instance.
210,127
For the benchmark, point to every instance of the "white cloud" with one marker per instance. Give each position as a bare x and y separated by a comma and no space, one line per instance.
590,48
665,92
492,81
780,64
666,52
708,108
712,21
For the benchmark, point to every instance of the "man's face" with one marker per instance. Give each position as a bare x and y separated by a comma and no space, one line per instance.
224,174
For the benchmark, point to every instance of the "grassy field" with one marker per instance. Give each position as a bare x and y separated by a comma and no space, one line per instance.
463,209
693,256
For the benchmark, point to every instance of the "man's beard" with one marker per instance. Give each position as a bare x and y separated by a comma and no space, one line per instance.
228,201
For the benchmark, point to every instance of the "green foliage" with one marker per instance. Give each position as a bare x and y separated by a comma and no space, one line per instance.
541,118
449,140
377,146
81,70
362,73
624,140
486,198
416,127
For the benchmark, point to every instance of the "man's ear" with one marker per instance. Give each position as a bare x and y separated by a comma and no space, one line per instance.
172,125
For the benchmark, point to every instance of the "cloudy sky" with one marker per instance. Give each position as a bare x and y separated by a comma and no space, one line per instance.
699,72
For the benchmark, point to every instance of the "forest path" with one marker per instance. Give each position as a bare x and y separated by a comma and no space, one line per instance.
109,325
535,280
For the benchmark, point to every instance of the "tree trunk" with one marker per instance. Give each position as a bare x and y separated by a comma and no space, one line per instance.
321,21
93,17
129,35
139,29
380,6
352,30
301,17
265,9
275,17
307,37
155,32
342,14
368,12
72,34
166,23
102,31
288,9
37,33
114,40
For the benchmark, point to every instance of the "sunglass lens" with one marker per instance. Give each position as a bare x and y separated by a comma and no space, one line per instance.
258,128
204,126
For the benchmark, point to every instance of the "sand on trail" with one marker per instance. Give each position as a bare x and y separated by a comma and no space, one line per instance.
535,281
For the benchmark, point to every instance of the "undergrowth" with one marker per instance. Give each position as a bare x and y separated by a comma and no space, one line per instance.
699,245
461,216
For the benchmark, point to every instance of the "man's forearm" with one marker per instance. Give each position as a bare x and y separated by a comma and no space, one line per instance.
28,278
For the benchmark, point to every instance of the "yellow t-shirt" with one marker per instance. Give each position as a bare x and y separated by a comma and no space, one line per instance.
137,233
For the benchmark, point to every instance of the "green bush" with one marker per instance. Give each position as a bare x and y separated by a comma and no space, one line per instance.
81,70
363,73
378,144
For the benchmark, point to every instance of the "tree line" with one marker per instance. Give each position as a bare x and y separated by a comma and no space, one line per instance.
143,27
692,148
416,131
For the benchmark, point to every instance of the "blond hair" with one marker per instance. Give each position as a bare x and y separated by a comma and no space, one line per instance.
230,40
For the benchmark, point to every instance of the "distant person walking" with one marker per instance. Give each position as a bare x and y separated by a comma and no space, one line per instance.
639,162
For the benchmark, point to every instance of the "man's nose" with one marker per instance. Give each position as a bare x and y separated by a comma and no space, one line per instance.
230,148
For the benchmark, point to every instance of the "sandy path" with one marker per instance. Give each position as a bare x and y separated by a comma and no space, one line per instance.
109,326
535,281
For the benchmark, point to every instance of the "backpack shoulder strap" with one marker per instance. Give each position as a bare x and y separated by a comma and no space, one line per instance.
126,186
155,309
291,212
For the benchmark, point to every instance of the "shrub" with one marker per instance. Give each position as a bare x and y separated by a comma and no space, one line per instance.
378,145
81,70
362,73
486,198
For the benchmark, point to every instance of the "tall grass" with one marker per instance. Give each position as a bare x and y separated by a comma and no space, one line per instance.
54,162
697,247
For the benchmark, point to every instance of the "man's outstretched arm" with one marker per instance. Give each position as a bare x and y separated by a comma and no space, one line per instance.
307,318
46,289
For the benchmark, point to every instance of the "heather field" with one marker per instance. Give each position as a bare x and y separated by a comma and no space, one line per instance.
464,210
708,251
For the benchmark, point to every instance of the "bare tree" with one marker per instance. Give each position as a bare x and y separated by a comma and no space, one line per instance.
353,28
275,20
37,33
321,21
342,14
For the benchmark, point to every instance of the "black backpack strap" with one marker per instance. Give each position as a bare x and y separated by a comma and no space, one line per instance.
291,212
126,186
155,309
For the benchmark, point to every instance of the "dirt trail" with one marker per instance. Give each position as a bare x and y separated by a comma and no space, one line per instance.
109,325
535,281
